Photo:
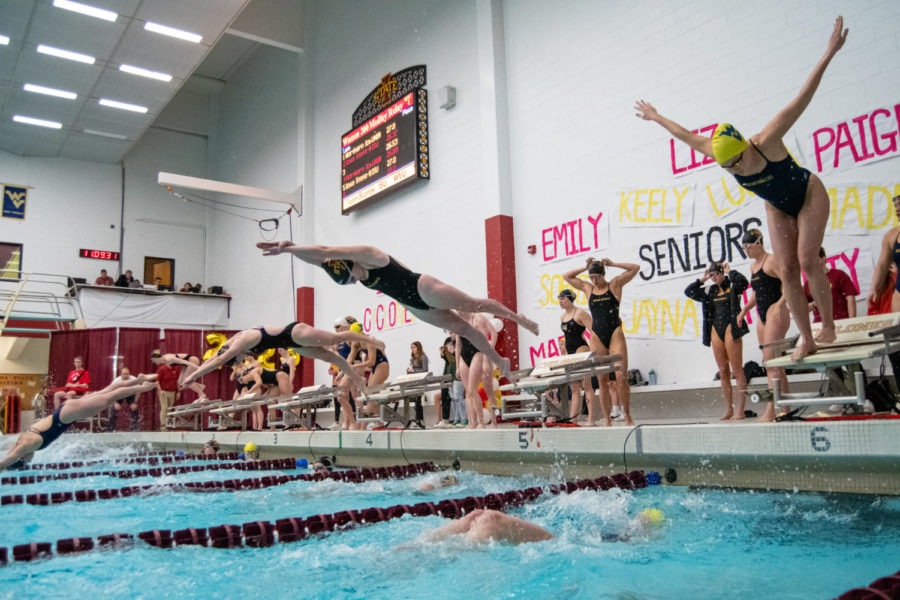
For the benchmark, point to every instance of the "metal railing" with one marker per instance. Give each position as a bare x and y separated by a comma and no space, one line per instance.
38,297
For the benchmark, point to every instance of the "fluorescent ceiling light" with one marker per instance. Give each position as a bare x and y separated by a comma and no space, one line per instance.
122,105
4,40
85,9
39,89
115,136
172,32
38,122
145,73
60,53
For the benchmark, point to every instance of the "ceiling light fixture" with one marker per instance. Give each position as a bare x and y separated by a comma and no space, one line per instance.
115,136
85,9
172,32
145,73
60,53
39,89
38,122
4,40
122,105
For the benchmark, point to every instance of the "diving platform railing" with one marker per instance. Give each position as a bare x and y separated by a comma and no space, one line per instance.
43,297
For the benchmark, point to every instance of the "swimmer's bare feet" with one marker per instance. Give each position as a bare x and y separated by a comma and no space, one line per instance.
738,417
803,349
826,336
590,424
528,324
728,414
607,422
628,420
481,426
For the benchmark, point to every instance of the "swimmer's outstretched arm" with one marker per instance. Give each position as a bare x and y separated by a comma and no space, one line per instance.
698,142
238,344
785,119
366,256
27,444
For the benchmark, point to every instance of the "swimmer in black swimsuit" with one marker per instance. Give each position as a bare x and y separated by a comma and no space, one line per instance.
474,367
607,336
45,431
307,341
188,363
774,318
890,254
377,366
721,306
345,408
797,205
574,322
426,297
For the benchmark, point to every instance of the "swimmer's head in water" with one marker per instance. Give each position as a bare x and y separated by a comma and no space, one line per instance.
250,447
448,480
727,143
597,268
339,271
652,517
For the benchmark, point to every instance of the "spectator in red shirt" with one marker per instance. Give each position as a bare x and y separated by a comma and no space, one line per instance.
78,383
166,386
843,294
104,279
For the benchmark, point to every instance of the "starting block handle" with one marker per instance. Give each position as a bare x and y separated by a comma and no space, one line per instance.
789,342
888,332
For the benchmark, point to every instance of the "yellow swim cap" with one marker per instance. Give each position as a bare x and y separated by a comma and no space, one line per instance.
652,516
727,142
356,327
249,447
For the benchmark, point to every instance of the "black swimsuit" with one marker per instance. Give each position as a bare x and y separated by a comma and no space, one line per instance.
782,184
605,313
721,313
398,282
56,429
269,377
767,289
186,357
467,351
281,339
897,261
574,335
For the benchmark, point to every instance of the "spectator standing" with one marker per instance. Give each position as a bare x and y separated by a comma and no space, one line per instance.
104,279
843,293
418,363
78,383
167,389
116,406
125,280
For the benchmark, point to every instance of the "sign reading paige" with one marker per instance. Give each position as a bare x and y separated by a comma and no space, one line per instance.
866,138
661,206
15,199
677,256
574,237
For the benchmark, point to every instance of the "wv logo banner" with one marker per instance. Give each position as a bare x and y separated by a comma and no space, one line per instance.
14,200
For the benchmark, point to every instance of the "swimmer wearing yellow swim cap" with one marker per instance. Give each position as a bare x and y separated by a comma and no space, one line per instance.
797,208
250,451
652,517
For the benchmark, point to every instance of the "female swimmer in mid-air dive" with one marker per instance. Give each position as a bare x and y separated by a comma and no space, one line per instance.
44,432
308,341
797,204
607,336
428,298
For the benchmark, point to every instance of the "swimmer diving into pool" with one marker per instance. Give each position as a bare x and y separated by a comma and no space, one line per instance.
797,205
428,298
307,341
44,432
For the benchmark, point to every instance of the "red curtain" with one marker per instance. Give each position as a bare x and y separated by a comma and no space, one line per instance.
64,347
135,346
97,346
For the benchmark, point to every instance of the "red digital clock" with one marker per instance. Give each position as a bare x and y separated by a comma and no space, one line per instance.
98,254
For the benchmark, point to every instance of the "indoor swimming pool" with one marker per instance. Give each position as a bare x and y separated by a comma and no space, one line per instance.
712,543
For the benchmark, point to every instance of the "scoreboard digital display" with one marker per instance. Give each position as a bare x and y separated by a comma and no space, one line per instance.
386,152
98,254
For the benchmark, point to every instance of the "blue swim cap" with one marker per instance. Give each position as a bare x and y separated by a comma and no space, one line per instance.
302,463
179,453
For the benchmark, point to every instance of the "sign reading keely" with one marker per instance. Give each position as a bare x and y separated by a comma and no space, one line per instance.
14,201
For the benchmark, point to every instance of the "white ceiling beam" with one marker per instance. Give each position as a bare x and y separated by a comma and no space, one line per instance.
173,180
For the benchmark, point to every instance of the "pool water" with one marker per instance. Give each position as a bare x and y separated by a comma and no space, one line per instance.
713,544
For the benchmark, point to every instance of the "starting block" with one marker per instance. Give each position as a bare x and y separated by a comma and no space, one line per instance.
406,389
187,415
241,405
307,399
858,339
554,373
